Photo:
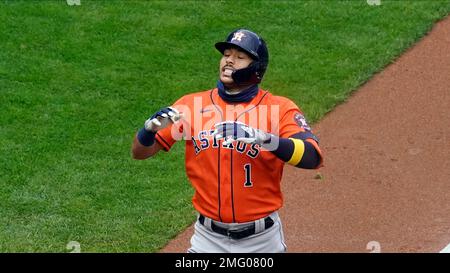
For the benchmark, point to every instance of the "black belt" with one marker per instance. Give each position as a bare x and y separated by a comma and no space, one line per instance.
237,233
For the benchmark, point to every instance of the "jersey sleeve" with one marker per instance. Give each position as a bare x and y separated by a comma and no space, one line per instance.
294,124
172,133
292,120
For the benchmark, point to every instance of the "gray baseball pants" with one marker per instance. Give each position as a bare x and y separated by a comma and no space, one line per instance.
270,240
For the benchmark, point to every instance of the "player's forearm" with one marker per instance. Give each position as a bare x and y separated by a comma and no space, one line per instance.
297,152
144,145
300,150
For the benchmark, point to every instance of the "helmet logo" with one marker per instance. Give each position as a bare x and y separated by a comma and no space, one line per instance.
238,36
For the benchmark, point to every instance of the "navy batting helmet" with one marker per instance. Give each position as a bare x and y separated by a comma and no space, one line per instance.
253,45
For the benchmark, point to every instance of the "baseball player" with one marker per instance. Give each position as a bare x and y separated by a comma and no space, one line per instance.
238,138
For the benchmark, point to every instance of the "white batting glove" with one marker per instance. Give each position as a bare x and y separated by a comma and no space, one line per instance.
238,131
162,119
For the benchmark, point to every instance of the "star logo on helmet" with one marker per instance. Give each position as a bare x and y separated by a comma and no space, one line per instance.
238,36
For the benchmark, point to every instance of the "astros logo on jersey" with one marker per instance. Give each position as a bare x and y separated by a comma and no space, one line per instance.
205,140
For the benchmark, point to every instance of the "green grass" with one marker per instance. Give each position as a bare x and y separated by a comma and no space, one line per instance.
76,82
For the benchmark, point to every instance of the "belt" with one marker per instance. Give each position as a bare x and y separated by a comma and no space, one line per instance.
237,233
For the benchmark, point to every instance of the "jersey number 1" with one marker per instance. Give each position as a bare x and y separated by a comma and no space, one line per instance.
248,175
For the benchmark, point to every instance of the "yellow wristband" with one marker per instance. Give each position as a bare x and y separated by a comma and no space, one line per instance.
299,150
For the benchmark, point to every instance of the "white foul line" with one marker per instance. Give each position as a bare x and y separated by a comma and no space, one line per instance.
446,249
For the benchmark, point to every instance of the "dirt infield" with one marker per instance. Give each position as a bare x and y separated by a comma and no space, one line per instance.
387,164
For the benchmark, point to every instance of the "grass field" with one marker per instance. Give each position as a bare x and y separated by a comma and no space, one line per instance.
76,83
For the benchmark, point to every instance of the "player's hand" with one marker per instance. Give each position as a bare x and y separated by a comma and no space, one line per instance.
162,119
238,131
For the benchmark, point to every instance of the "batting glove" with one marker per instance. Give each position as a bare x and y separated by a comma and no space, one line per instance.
238,131
162,119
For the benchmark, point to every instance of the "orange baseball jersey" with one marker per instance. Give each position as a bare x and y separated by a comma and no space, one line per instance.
238,182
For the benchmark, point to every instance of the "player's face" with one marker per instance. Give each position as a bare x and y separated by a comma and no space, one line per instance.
232,59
